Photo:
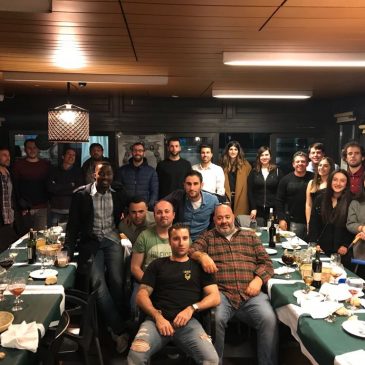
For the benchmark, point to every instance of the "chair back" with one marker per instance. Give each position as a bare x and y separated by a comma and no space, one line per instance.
60,330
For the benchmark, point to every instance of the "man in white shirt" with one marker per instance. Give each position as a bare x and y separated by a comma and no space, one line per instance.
213,175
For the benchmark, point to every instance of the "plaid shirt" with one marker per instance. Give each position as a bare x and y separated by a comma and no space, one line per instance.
6,189
238,261
104,226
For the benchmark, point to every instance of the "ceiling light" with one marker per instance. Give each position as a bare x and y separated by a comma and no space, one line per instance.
259,94
89,78
69,54
277,59
68,123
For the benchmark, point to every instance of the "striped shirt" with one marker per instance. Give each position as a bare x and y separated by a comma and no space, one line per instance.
238,260
104,226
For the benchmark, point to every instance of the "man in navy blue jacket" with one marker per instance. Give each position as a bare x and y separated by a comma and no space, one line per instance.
138,177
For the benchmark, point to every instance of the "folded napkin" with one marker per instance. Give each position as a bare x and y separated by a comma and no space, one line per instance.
22,336
319,309
350,358
338,292
283,270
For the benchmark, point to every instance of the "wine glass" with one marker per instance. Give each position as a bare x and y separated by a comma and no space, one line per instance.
308,280
298,257
288,259
3,285
6,262
16,287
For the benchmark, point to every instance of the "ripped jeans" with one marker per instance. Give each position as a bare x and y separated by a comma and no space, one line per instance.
191,339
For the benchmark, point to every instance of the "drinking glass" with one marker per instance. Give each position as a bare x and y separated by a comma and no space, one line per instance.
288,259
16,287
3,285
308,280
6,262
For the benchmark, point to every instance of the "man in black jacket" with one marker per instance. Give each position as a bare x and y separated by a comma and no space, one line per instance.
94,215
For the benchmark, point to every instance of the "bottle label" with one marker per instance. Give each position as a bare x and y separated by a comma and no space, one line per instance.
30,253
317,276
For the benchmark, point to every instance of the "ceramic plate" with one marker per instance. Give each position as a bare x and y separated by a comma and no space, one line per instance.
290,246
312,295
356,328
287,234
271,251
42,274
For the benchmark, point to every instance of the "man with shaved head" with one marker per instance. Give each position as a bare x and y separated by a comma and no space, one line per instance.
242,267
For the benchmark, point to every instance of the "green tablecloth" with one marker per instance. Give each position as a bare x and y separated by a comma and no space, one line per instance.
42,308
323,340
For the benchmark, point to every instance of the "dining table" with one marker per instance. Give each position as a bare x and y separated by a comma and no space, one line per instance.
322,342
43,304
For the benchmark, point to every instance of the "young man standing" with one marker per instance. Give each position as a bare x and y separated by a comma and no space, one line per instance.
353,154
213,175
172,170
170,294
290,197
30,182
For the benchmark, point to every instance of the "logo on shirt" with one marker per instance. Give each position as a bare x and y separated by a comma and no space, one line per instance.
187,274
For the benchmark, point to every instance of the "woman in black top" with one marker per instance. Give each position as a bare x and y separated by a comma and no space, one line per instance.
262,185
327,225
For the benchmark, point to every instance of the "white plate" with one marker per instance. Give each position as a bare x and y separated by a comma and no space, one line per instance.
287,234
312,295
290,246
271,251
356,328
42,274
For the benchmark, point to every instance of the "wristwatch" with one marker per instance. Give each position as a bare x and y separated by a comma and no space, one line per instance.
195,307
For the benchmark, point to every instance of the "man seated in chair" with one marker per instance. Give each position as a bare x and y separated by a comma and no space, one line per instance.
241,266
170,294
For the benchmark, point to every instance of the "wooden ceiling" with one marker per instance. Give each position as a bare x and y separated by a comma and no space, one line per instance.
184,40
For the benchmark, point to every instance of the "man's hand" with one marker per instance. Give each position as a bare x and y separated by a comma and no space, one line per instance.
183,317
283,225
253,213
4,171
254,287
342,250
208,264
164,326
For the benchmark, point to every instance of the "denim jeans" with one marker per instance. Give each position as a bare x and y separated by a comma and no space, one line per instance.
108,262
191,338
257,313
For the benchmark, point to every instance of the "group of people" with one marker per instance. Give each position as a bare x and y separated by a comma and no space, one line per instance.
188,254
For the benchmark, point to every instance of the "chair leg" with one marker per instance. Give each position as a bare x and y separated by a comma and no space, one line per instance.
98,349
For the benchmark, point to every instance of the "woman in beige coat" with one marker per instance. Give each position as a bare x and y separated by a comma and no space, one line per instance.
236,170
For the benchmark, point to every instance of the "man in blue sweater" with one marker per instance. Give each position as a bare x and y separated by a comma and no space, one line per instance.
138,178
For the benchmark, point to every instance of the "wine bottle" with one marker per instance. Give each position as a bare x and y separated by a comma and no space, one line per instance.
31,247
272,234
317,269
270,218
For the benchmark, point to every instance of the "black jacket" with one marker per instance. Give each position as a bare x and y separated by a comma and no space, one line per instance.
261,192
81,219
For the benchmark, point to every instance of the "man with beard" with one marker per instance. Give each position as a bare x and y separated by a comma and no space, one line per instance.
291,195
241,267
172,170
94,214
353,154
172,290
138,178
7,233
193,206
88,167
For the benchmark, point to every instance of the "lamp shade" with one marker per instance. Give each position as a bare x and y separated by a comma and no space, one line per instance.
68,123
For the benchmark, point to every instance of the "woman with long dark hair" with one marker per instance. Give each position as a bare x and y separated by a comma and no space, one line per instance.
316,186
236,170
356,225
263,182
327,225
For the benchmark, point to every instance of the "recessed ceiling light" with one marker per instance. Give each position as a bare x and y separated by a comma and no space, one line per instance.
285,59
257,94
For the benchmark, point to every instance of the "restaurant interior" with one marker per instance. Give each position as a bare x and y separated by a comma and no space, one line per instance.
282,73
